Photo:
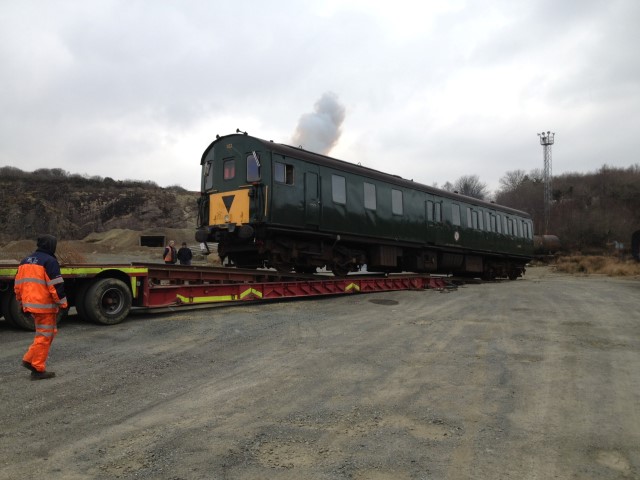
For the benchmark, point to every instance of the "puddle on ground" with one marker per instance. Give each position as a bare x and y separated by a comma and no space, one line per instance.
383,301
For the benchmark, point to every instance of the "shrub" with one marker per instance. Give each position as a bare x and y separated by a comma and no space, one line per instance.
611,266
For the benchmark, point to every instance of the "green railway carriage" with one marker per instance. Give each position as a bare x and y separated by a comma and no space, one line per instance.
274,205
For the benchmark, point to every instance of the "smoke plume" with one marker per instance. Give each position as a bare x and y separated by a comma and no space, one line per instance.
320,131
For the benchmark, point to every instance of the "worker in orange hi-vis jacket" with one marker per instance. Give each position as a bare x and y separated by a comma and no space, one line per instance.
39,288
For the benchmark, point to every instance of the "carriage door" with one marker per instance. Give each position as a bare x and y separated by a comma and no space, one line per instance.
311,198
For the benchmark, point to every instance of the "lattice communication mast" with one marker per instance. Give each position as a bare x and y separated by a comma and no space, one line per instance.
546,140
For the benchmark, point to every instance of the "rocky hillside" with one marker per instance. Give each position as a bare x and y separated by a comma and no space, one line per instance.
72,207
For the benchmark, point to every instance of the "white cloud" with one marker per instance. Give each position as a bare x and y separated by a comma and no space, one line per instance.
431,90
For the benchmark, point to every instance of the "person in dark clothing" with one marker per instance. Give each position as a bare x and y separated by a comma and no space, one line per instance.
39,288
185,255
170,255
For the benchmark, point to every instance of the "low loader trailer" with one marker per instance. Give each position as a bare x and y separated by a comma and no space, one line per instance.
106,294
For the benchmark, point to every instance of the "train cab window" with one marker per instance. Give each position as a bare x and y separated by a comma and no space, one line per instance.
338,189
480,222
283,173
429,211
498,223
369,196
207,175
510,229
492,223
396,202
487,222
253,167
455,214
520,231
469,220
229,168
505,225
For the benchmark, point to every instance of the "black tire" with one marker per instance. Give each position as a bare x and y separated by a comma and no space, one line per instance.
340,270
80,300
108,301
4,306
13,313
489,274
61,316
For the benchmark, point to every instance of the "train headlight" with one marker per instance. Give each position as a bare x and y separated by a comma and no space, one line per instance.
226,218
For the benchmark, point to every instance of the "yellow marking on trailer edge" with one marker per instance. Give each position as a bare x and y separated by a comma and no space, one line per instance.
94,270
250,291
220,298
8,272
211,299
134,287
88,271
352,286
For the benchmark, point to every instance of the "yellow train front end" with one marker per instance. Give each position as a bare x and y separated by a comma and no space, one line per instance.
229,209
232,203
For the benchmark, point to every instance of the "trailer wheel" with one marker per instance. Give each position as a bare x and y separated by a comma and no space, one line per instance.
108,301
7,320
62,315
80,300
4,297
13,313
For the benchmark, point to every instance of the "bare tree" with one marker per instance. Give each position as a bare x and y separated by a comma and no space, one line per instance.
536,175
512,180
448,186
471,186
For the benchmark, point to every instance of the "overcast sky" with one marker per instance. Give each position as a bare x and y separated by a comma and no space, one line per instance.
428,90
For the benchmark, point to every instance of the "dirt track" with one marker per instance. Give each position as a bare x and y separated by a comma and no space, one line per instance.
533,379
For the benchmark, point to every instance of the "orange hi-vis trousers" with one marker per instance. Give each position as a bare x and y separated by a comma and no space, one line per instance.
46,330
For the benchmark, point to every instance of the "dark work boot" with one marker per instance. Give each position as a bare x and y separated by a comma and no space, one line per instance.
29,366
42,375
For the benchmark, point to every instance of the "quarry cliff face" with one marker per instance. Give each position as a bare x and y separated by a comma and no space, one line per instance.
73,207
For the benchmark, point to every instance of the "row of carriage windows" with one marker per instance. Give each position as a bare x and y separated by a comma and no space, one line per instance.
495,222
339,195
475,219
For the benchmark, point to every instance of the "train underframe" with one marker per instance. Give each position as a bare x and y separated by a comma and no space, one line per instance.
286,252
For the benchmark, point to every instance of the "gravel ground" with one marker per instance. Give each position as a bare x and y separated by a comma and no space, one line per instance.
532,379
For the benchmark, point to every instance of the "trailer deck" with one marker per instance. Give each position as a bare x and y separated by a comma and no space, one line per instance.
105,294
